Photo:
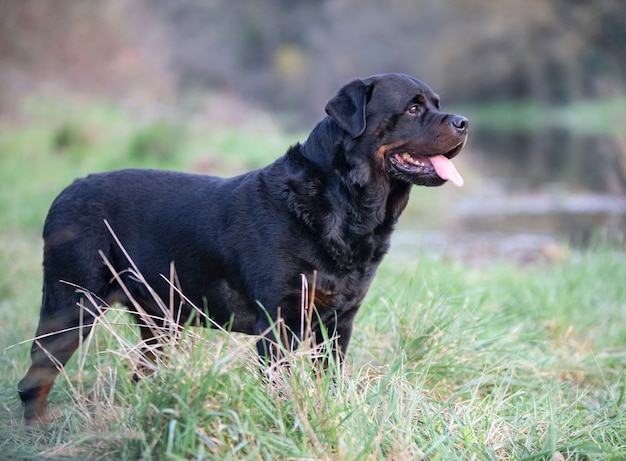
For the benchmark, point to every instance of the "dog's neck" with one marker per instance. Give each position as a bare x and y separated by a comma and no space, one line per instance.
365,192
372,200
322,142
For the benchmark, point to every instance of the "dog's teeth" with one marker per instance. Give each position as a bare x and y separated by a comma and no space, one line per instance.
408,158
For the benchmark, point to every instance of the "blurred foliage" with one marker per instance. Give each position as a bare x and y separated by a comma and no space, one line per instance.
71,139
599,117
295,53
47,152
158,141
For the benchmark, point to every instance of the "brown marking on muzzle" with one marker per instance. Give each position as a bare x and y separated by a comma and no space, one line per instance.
383,150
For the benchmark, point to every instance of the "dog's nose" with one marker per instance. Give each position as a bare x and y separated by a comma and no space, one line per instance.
459,122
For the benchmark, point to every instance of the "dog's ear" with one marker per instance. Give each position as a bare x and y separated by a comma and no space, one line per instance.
347,107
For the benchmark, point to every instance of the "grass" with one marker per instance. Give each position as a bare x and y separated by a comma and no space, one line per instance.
448,361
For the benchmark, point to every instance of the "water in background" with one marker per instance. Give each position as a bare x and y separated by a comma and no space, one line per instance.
539,194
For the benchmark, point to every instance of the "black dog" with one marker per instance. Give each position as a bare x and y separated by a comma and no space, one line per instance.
240,245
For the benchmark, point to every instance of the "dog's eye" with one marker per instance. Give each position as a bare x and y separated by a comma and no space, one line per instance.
414,109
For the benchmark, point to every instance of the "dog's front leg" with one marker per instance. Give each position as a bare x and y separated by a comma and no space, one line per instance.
276,337
342,333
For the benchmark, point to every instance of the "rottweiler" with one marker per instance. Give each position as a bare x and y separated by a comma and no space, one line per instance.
239,247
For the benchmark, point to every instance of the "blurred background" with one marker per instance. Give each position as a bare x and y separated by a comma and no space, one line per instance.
226,85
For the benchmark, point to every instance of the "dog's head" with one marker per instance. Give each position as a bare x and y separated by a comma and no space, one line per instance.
398,118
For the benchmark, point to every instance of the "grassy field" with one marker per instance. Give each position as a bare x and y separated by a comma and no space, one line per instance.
449,361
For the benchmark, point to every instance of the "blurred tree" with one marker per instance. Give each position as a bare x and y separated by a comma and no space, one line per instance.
295,53
237,44
86,45
548,50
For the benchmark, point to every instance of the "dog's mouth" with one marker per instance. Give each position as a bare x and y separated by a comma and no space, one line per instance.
428,166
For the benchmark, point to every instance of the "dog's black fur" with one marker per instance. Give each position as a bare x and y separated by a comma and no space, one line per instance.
240,245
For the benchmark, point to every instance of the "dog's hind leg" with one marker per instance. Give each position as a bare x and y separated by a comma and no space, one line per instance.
62,327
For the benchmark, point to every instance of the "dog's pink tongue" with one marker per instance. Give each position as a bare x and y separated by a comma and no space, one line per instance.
446,170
